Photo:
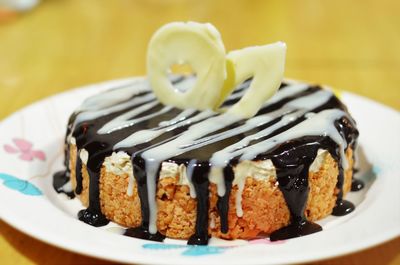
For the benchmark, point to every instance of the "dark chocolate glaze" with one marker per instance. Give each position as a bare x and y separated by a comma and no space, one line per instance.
78,174
295,229
60,178
93,215
200,183
143,233
357,184
223,202
139,171
292,160
342,207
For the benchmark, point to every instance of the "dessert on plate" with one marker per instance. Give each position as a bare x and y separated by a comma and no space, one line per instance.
232,152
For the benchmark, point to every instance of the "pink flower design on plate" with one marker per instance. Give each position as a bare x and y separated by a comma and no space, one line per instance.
24,148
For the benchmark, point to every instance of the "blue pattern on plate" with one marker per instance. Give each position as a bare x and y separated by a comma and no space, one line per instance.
188,250
23,186
162,246
202,250
376,170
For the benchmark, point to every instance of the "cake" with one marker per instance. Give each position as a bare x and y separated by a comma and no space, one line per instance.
231,151
288,166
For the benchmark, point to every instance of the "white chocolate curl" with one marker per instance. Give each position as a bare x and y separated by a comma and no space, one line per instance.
266,65
200,45
197,44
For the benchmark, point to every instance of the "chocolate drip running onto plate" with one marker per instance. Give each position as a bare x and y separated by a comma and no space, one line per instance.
78,174
60,179
357,184
93,215
223,202
200,182
292,161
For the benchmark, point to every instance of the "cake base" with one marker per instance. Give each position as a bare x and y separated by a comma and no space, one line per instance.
264,207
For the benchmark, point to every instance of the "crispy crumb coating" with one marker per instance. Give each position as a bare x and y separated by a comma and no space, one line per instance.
263,204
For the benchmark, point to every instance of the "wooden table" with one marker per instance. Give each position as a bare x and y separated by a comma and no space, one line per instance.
64,44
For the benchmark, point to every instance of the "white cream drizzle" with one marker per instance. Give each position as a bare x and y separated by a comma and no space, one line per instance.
189,174
126,120
318,161
110,101
84,156
144,136
154,156
192,139
169,169
207,122
71,140
180,117
119,163
93,114
67,187
216,176
222,157
260,170
319,124
114,96
238,198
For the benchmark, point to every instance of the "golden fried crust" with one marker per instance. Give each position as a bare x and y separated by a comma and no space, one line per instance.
114,201
72,162
264,210
348,174
322,195
176,217
263,204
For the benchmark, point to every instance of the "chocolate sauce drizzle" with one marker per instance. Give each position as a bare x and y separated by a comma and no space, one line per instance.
356,184
61,178
292,160
200,183
223,202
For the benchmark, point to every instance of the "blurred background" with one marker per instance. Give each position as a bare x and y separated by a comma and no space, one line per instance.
50,46
61,44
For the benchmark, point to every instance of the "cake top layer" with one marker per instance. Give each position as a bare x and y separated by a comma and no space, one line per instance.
131,119
289,129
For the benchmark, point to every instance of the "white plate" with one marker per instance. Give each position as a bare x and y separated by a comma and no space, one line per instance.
31,143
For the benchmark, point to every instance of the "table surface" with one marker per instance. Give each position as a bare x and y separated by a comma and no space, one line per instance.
64,44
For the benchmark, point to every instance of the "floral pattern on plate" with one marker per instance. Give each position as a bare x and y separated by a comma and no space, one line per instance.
25,150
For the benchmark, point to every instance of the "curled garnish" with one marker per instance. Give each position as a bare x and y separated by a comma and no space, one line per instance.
200,45
265,64
197,44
